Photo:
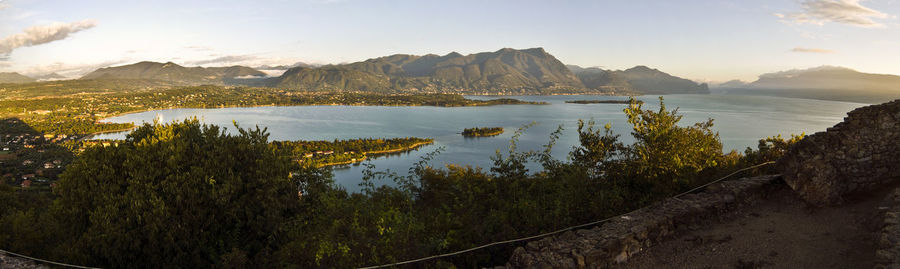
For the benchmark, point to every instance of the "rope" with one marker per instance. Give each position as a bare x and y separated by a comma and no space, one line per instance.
557,231
461,251
720,179
46,261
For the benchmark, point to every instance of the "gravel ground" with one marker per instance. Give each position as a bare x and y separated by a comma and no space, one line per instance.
779,232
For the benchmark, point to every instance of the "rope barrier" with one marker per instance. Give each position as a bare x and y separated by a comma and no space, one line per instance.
46,261
557,231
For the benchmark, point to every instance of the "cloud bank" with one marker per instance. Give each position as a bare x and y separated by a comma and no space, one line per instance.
230,59
43,34
69,70
812,50
840,11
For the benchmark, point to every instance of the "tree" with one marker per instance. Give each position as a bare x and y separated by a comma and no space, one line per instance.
666,153
176,195
599,152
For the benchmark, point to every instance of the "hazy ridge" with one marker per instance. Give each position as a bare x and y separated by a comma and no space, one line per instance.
505,71
824,83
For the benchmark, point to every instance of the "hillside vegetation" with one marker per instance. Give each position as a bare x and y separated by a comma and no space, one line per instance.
233,200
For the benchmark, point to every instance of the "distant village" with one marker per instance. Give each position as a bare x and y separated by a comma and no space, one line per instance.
30,159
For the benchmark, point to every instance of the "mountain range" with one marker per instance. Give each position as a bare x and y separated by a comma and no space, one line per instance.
824,82
506,71
638,79
172,72
13,77
49,77
528,71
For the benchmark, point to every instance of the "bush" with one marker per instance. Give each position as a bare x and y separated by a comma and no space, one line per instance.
769,149
190,195
176,195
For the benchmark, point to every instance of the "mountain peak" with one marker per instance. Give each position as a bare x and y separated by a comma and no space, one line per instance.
453,55
641,68
536,51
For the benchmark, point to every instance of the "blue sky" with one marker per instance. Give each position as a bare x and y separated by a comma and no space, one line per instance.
700,40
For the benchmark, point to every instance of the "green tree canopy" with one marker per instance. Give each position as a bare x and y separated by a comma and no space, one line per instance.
176,195
664,150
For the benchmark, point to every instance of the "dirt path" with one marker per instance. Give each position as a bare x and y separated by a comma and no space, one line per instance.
779,232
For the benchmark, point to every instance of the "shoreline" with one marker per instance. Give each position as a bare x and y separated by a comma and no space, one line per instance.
105,119
91,135
380,152
335,104
332,104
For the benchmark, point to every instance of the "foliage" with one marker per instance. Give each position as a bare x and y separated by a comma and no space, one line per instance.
326,153
175,195
75,106
769,149
186,195
439,210
667,153
482,131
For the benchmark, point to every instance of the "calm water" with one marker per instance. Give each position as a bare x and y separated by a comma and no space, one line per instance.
740,120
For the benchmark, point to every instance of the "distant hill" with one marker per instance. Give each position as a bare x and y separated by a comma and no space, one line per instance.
332,79
50,77
283,67
638,80
531,71
13,77
172,72
825,83
506,71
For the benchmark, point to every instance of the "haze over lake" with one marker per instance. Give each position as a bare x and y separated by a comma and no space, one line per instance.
740,120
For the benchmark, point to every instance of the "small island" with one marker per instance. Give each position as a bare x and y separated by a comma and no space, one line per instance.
340,152
602,102
479,131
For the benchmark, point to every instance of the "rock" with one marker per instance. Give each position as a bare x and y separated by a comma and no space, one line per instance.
851,157
619,239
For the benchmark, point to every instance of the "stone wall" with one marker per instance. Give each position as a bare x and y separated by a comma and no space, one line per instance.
860,154
12,262
617,240
889,239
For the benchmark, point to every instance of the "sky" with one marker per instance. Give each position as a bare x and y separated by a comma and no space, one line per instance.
707,41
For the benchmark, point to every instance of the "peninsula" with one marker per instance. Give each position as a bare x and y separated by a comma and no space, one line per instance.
602,102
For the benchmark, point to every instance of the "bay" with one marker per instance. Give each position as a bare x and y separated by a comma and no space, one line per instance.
740,120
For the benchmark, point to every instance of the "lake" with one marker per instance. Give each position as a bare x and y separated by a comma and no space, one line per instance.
740,120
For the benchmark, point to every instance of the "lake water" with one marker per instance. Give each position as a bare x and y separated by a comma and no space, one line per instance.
740,120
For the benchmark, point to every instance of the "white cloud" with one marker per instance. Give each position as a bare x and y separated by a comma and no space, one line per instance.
70,70
199,48
840,11
812,50
43,34
3,6
229,59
